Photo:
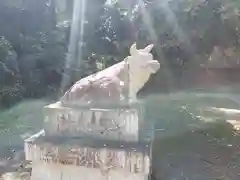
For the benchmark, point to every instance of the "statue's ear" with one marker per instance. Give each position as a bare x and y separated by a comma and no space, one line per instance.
133,49
148,49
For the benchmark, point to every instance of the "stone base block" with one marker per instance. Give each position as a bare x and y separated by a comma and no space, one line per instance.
81,158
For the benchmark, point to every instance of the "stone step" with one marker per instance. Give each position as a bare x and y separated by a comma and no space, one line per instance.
104,123
100,156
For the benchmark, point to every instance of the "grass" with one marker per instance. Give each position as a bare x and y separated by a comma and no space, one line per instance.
21,121
180,112
193,143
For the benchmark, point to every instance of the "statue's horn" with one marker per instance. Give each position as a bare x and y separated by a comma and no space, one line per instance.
133,49
148,48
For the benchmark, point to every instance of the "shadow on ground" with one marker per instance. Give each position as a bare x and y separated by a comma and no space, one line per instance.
192,141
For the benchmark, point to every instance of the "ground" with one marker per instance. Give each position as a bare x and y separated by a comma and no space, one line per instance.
197,155
191,142
16,124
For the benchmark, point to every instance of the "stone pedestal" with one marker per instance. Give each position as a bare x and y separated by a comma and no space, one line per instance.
110,123
87,159
90,143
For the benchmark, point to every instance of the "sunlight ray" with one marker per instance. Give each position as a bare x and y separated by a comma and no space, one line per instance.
172,20
154,38
74,55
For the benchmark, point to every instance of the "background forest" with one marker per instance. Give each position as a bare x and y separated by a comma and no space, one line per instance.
35,36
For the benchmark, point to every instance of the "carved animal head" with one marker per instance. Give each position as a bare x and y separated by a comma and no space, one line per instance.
141,66
143,59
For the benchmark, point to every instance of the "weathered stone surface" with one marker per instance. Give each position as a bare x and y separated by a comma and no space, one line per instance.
43,171
128,157
104,90
105,123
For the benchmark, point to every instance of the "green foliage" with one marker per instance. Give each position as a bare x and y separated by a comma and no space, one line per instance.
32,50
33,43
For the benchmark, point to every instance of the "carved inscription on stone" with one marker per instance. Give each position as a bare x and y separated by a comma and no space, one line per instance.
103,159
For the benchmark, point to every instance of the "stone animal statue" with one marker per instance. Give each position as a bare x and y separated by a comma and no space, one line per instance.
116,83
